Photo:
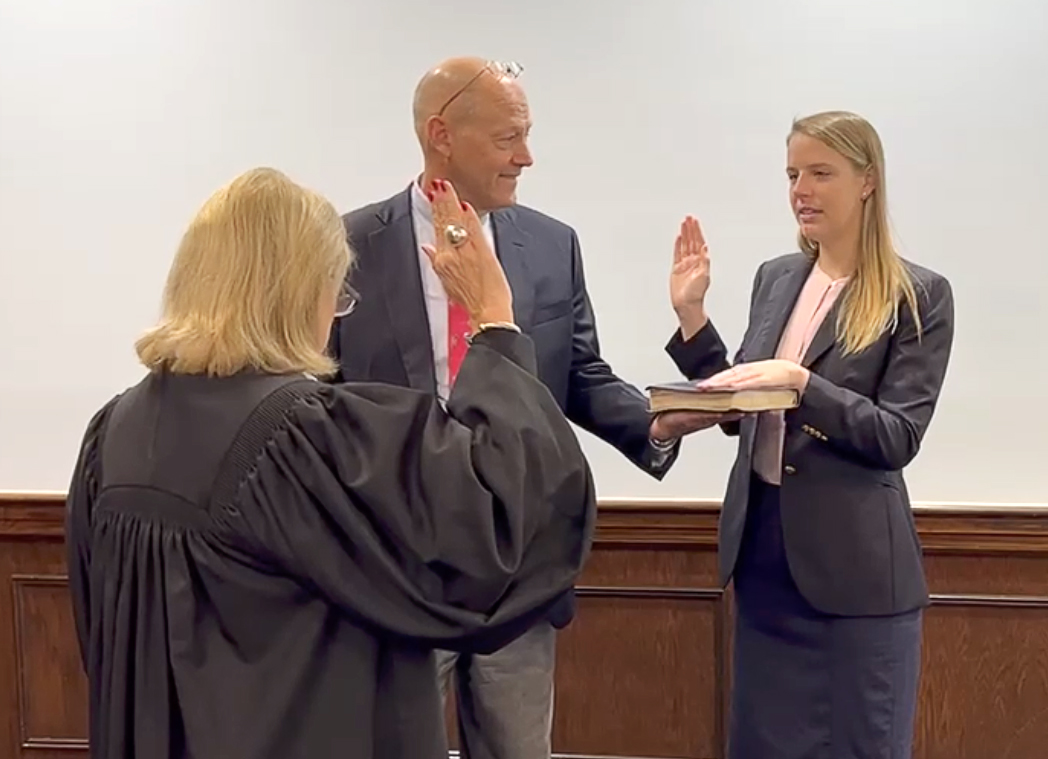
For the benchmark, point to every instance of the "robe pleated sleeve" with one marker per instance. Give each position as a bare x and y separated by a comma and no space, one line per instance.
456,527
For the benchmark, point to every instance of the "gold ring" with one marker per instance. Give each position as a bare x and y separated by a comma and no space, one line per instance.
455,234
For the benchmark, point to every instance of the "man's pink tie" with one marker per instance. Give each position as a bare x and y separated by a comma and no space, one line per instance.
458,338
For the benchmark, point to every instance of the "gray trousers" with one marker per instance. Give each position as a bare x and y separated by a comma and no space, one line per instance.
505,699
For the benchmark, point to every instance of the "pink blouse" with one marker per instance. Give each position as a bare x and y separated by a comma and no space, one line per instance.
816,299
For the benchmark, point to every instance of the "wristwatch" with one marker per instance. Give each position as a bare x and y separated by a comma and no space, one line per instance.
497,325
663,445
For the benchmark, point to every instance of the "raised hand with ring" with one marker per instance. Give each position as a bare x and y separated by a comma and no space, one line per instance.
464,261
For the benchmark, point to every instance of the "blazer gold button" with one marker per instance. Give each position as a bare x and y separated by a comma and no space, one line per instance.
789,469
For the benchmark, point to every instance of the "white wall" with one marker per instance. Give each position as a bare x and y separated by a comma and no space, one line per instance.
118,118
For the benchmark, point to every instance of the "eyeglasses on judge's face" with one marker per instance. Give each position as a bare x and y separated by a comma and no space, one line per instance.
347,300
501,69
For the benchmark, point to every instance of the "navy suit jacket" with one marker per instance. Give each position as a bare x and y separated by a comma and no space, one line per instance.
847,523
387,336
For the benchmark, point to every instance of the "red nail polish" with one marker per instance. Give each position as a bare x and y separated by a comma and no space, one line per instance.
465,207
429,194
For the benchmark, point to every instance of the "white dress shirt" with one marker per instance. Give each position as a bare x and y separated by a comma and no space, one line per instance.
437,298
432,288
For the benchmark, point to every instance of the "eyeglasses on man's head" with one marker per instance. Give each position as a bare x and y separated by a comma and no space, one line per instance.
501,69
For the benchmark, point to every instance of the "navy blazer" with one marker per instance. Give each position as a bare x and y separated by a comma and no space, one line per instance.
387,336
847,522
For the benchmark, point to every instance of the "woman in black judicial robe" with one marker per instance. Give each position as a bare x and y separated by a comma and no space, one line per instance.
260,562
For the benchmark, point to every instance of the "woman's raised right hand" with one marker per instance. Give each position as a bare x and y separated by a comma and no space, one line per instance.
690,277
471,273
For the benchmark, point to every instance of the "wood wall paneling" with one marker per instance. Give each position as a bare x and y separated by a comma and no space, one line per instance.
50,679
644,670
43,691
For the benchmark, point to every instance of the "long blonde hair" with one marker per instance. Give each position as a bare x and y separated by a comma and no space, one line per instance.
246,284
881,280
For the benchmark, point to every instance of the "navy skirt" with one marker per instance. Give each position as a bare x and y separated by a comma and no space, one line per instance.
807,685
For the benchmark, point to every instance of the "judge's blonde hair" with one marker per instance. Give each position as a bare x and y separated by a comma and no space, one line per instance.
881,282
245,288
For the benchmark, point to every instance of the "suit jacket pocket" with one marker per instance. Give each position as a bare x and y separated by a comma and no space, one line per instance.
887,482
551,311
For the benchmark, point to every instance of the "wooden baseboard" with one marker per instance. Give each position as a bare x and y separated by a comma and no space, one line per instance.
642,672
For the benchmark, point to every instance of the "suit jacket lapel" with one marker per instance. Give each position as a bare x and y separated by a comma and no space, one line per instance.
396,247
825,336
511,243
781,299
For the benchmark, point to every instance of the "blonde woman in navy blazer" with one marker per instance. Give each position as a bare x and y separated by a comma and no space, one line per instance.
817,531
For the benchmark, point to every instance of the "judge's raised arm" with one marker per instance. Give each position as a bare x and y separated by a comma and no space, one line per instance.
261,563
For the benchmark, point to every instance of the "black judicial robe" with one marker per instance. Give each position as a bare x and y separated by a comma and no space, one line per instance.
261,565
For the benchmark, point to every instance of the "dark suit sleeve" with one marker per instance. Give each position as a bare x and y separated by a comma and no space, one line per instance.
598,400
705,353
456,529
885,432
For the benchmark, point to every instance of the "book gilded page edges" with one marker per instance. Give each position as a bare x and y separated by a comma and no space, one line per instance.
685,396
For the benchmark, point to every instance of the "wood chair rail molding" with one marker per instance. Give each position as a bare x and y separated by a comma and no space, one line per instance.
944,528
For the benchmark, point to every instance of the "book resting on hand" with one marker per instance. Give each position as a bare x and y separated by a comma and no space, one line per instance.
687,396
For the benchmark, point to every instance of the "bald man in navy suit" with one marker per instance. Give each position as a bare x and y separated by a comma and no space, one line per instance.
472,121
